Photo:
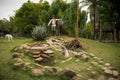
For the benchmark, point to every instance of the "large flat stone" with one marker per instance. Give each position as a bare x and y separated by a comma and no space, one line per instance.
48,51
39,48
39,59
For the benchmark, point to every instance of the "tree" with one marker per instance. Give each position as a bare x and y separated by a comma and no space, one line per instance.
30,15
82,22
75,44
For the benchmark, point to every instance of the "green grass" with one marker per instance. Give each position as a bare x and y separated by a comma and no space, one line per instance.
110,52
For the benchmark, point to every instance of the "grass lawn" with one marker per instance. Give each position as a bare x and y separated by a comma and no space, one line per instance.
110,52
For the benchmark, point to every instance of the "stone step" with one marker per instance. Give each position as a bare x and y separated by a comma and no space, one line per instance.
39,59
36,52
44,55
39,48
36,56
48,51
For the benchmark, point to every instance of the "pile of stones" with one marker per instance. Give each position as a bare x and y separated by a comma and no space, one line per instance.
41,53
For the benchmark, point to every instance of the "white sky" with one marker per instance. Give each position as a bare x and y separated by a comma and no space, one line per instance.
8,7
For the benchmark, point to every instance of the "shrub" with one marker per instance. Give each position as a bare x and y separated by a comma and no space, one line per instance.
39,33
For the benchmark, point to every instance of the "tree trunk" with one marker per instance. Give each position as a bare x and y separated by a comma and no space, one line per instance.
94,10
76,26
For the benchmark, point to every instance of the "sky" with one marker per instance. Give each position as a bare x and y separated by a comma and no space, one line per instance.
8,7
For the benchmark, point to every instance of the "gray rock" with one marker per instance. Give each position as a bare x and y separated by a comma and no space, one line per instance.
94,63
112,79
115,73
15,55
38,66
24,46
48,52
107,64
101,77
108,71
85,57
94,73
37,72
39,48
39,59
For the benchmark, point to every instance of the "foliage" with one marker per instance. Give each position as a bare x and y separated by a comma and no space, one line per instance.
5,27
30,15
88,30
39,33
82,22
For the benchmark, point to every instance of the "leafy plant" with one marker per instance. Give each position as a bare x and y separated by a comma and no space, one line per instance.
39,33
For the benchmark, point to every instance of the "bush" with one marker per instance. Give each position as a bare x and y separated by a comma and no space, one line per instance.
39,33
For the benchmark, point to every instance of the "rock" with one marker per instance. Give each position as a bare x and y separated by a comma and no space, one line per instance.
101,62
78,55
38,66
39,59
94,63
37,72
107,64
48,52
47,67
18,62
96,58
36,56
104,68
69,74
108,71
25,66
39,48
85,57
112,79
44,45
26,51
45,55
115,73
94,73
52,70
24,46
15,55
36,52
101,78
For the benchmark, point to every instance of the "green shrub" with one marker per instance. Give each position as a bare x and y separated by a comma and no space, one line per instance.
39,33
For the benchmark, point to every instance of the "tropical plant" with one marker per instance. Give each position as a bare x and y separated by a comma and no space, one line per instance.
39,33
